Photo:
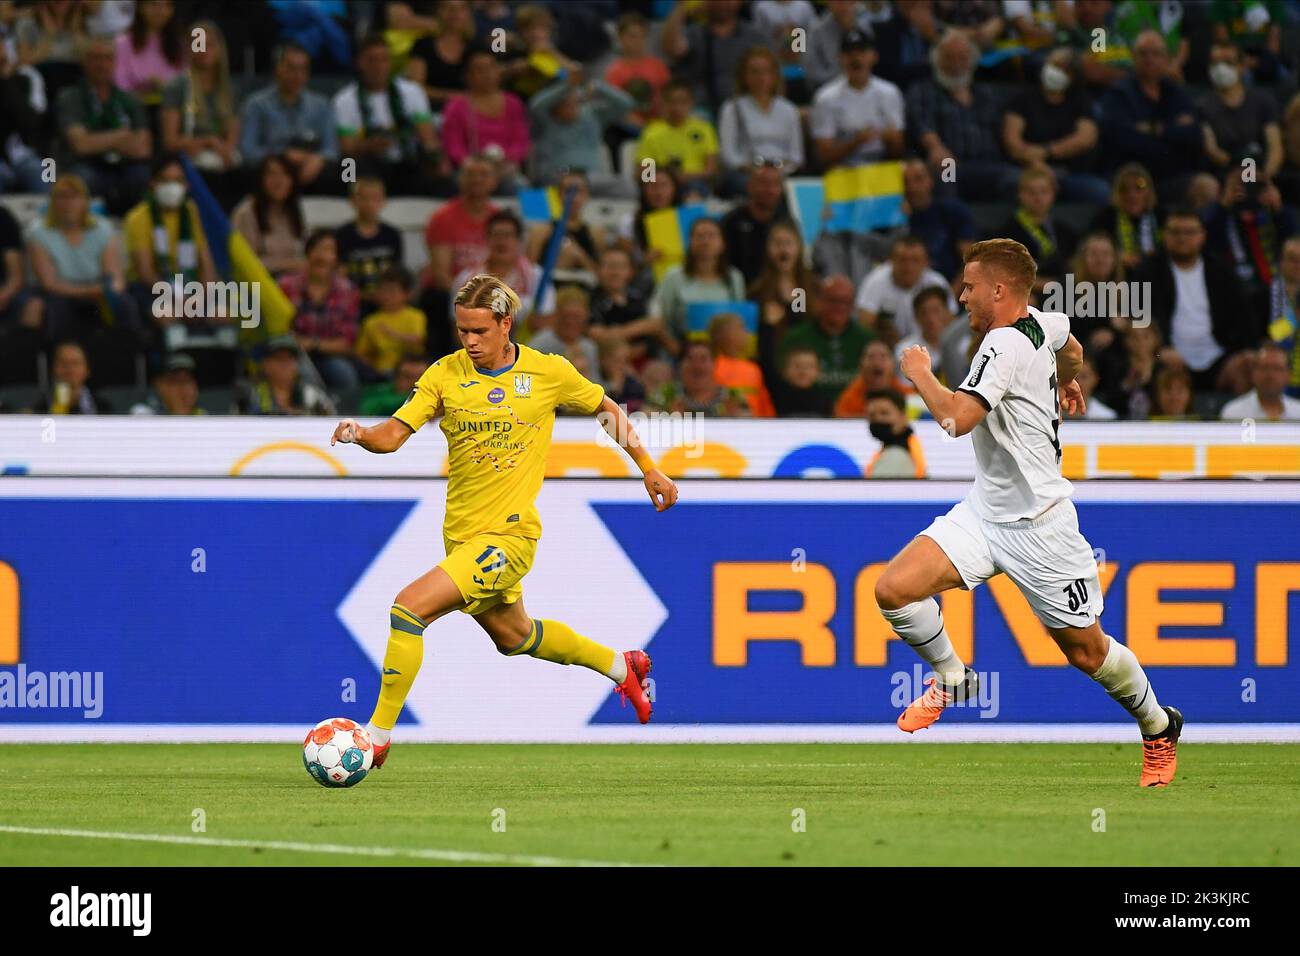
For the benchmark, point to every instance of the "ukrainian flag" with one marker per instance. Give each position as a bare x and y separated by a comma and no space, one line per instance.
667,231
235,260
541,205
862,198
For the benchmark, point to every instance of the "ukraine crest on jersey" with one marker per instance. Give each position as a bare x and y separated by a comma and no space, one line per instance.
498,429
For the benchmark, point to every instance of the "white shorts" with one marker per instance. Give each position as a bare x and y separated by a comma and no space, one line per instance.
1047,558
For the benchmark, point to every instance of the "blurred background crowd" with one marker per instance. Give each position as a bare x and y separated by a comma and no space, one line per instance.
376,154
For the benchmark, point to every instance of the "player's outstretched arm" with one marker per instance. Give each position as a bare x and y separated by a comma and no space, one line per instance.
956,412
660,488
383,438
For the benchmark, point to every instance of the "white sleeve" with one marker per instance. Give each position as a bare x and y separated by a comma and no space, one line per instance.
1056,329
822,125
895,109
869,294
994,367
347,110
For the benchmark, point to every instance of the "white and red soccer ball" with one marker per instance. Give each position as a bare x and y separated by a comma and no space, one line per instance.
338,753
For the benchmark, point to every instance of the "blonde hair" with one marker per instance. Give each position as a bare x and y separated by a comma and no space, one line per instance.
1007,256
488,292
76,184
196,105
1037,171
572,295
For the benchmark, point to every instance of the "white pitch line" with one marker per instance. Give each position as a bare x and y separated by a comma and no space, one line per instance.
446,856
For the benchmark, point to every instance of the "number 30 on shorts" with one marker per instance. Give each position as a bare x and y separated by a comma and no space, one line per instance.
1077,594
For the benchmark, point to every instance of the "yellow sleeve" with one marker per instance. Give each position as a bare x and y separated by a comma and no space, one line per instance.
365,344
576,391
417,321
422,404
135,229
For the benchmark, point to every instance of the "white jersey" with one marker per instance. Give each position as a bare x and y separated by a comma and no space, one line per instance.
1017,450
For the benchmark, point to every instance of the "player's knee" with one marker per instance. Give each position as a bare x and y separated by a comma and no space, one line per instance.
889,595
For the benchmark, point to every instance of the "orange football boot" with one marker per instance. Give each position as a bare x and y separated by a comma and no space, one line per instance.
927,708
1160,752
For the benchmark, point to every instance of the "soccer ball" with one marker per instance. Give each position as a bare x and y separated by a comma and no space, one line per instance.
338,753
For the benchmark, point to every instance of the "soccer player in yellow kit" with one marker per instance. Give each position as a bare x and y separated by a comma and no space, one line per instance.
497,401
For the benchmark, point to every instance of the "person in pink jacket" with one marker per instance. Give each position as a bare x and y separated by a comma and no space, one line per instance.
486,120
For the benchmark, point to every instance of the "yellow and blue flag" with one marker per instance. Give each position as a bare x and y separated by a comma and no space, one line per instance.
236,261
668,231
861,198
541,205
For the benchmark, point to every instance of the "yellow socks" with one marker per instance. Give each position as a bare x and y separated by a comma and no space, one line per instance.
401,664
556,641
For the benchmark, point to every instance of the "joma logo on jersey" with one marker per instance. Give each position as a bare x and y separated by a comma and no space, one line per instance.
523,386
979,369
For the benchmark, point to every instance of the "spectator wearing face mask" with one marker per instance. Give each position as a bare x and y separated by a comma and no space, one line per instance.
164,236
1238,120
1051,124
900,454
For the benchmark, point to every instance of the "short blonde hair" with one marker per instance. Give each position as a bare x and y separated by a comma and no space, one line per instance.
484,291
69,182
572,295
1008,257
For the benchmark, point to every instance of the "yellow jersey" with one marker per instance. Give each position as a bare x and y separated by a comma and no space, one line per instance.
378,348
498,429
689,145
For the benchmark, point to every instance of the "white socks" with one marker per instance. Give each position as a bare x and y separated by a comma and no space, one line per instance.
618,669
378,736
920,626
1126,682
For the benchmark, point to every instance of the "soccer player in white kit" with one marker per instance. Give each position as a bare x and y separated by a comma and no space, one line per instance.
1018,519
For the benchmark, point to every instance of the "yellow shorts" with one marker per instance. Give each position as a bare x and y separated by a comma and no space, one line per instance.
489,569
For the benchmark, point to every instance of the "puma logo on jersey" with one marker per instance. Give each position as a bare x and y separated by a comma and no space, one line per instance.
979,369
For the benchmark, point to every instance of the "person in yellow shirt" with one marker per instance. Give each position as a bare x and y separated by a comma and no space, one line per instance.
497,402
680,143
164,236
397,328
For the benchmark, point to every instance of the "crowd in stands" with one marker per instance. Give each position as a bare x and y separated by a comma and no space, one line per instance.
1150,143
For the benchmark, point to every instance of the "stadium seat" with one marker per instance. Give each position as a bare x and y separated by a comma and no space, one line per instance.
217,400
989,218
327,212
121,398
409,213
18,397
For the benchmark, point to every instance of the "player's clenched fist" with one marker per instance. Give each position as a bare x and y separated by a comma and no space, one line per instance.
346,432
914,361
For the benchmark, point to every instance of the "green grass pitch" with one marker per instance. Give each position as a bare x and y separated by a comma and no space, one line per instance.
1025,804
